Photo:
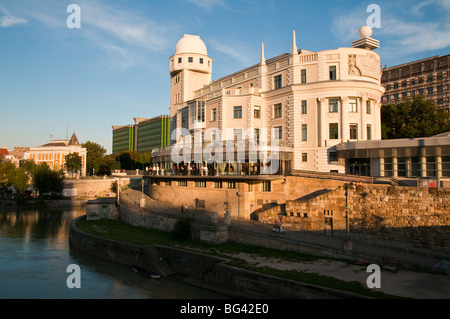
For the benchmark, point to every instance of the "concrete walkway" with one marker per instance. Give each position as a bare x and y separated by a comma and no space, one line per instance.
404,282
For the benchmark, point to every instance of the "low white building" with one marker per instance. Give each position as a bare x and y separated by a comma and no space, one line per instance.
54,153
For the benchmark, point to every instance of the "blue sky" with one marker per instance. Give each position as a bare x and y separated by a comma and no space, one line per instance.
116,66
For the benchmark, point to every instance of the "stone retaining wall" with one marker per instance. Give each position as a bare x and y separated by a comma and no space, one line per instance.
205,271
411,214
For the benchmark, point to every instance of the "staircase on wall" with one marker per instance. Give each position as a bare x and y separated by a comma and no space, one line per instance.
158,262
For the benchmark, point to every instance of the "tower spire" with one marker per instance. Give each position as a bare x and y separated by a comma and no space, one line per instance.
294,45
263,60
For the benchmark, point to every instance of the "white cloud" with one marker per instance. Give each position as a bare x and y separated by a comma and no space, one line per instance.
8,20
208,4
236,51
401,31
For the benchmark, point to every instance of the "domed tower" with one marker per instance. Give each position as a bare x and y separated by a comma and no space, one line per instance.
190,70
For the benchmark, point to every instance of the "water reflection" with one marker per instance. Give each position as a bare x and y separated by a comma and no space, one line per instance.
35,253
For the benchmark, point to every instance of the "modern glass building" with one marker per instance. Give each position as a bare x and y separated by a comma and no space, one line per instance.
152,133
123,138
143,136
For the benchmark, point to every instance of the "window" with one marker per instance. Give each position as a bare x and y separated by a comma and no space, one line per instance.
446,166
334,131
420,80
369,132
430,89
266,187
182,183
179,60
431,166
277,110
403,84
353,131
304,132
304,107
353,106
430,78
395,85
368,107
277,82
303,76
257,112
278,132
201,60
237,134
200,183
333,105
388,167
217,184
257,133
333,156
231,184
190,59
304,157
213,114
237,112
200,111
332,72
402,167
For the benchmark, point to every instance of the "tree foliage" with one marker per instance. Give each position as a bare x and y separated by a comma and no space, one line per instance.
47,181
73,162
94,157
413,118
17,177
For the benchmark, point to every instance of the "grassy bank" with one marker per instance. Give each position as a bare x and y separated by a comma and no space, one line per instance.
120,231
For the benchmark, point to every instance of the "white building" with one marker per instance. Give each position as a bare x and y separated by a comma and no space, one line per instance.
310,101
54,153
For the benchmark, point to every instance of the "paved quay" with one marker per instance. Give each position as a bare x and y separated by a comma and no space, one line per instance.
408,283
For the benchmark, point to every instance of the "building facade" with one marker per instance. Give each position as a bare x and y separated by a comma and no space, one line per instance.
54,153
308,102
142,136
429,77
425,158
123,138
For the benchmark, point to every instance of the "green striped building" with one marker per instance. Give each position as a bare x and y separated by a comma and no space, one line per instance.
143,136
123,138
152,133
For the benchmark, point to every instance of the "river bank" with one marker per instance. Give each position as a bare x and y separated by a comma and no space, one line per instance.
218,267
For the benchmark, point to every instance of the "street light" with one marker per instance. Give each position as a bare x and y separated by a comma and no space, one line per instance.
142,183
237,194
226,192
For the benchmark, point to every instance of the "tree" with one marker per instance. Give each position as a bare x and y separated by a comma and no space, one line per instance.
417,118
94,157
73,162
20,180
7,171
47,181
130,160
108,164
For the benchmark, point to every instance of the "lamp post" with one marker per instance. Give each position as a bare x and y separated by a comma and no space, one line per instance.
226,192
142,183
237,194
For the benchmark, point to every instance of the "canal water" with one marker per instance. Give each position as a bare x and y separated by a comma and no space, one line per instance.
35,255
